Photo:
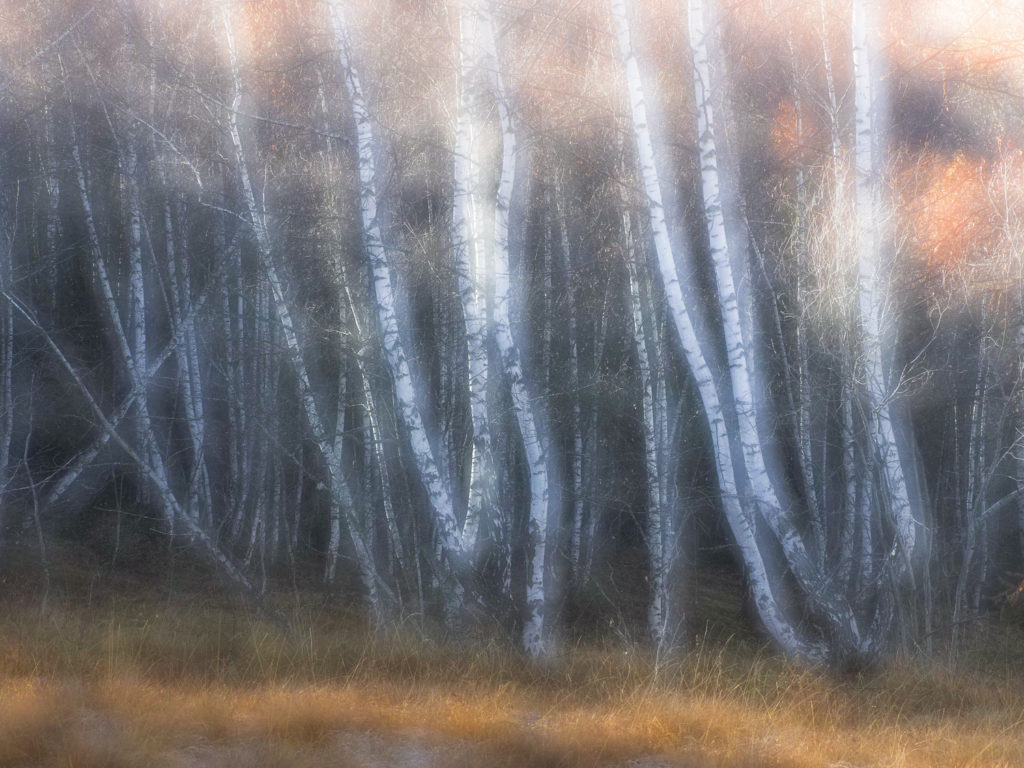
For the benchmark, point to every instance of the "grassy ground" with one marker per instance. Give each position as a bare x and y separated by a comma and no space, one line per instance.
183,681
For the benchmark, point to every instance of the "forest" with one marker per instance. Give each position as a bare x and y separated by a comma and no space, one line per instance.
546,317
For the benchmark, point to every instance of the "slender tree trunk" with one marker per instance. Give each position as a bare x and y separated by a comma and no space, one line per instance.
833,104
804,406
133,348
659,548
576,424
1019,444
778,515
448,532
468,254
53,195
585,527
340,497
763,583
535,626
973,520
6,357
872,290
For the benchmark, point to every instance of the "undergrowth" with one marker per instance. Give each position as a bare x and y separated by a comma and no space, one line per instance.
149,680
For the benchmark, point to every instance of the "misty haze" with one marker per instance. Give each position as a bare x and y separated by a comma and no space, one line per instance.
457,383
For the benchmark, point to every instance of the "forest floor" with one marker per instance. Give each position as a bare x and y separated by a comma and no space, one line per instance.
143,678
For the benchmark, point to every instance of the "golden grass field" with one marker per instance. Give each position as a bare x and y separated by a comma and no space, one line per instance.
153,681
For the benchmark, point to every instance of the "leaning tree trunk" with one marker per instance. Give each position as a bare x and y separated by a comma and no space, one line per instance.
148,460
445,524
340,496
764,577
468,255
778,515
872,293
133,347
199,538
535,626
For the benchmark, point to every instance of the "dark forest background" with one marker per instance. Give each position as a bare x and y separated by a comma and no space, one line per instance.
198,375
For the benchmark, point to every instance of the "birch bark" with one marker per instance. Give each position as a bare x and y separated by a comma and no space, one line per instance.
535,626
6,357
658,547
193,532
468,254
779,516
743,526
133,349
872,287
576,459
340,497
446,527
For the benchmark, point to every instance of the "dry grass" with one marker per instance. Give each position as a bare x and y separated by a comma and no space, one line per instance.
183,684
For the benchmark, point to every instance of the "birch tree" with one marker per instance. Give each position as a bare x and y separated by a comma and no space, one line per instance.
659,530
446,527
576,421
341,497
777,513
468,256
6,353
764,580
873,299
536,628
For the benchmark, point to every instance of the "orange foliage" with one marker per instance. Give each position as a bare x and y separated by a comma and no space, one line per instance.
961,213
982,37
946,204
787,133
793,133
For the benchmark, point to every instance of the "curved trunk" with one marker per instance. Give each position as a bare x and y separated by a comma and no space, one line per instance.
872,290
535,629
777,514
340,496
446,526
467,250
762,581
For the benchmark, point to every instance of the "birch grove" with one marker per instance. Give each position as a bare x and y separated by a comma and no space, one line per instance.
569,321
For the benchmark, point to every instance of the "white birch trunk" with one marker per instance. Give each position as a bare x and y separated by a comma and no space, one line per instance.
53,194
193,532
132,351
585,533
188,359
340,496
87,456
468,255
659,560
149,462
849,524
535,630
778,625
973,520
188,365
232,328
576,472
374,432
833,104
872,289
804,406
446,526
777,515
1019,445
6,359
